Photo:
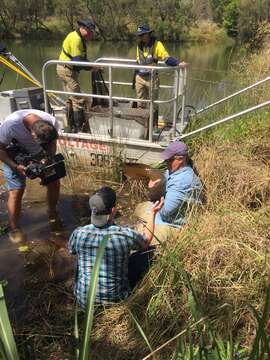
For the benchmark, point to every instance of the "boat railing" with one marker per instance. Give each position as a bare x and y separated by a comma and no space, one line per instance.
178,87
132,62
233,116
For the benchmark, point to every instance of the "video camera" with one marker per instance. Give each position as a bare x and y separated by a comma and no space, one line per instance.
47,168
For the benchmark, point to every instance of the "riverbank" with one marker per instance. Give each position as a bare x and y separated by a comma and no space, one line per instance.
205,31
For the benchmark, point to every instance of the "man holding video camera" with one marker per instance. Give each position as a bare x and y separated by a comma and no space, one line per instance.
35,132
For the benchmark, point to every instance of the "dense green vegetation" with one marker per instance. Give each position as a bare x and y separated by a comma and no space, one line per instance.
173,19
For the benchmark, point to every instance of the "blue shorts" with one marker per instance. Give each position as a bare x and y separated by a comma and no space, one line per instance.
14,180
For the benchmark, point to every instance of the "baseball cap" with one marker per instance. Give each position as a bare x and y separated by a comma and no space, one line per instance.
175,148
101,204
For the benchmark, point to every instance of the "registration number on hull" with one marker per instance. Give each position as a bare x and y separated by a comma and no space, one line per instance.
94,154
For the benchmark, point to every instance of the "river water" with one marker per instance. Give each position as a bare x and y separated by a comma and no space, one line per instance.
208,65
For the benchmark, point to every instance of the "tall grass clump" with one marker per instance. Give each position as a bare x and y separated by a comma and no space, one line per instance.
206,31
224,250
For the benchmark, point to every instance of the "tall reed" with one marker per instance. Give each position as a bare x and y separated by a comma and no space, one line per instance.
84,348
8,348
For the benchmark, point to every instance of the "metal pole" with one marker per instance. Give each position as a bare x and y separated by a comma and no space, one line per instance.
151,107
184,79
130,84
110,100
46,103
17,62
175,101
231,117
233,95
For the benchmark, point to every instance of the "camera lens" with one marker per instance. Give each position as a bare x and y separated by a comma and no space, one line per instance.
32,171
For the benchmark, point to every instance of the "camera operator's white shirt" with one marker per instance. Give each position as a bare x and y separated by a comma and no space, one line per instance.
13,128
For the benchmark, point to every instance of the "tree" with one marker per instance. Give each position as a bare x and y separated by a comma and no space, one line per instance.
252,14
230,19
70,10
202,10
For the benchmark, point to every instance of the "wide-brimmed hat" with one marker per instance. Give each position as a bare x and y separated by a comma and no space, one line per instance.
175,148
101,204
143,29
87,23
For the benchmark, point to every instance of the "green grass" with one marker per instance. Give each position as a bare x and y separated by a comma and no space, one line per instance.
8,348
200,342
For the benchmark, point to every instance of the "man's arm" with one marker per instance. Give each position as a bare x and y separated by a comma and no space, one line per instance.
141,240
172,203
150,226
72,242
171,61
156,177
8,161
52,148
76,52
162,54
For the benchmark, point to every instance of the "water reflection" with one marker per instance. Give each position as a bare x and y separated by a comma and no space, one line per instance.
43,257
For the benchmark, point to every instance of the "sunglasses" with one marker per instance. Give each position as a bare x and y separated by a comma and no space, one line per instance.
175,157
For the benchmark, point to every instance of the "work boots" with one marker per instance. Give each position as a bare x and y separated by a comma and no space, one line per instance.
155,119
70,128
79,121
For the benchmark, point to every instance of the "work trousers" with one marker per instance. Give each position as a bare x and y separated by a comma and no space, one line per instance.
70,81
143,87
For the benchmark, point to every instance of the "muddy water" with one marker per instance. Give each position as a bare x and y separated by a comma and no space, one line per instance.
44,257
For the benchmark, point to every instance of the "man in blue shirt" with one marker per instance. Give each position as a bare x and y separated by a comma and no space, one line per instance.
183,187
113,284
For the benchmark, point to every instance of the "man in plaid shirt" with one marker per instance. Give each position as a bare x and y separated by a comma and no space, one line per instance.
113,284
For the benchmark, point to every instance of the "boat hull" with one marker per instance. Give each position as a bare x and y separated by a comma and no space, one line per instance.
96,150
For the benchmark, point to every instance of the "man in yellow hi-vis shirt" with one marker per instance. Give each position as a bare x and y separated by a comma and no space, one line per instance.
149,52
74,49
